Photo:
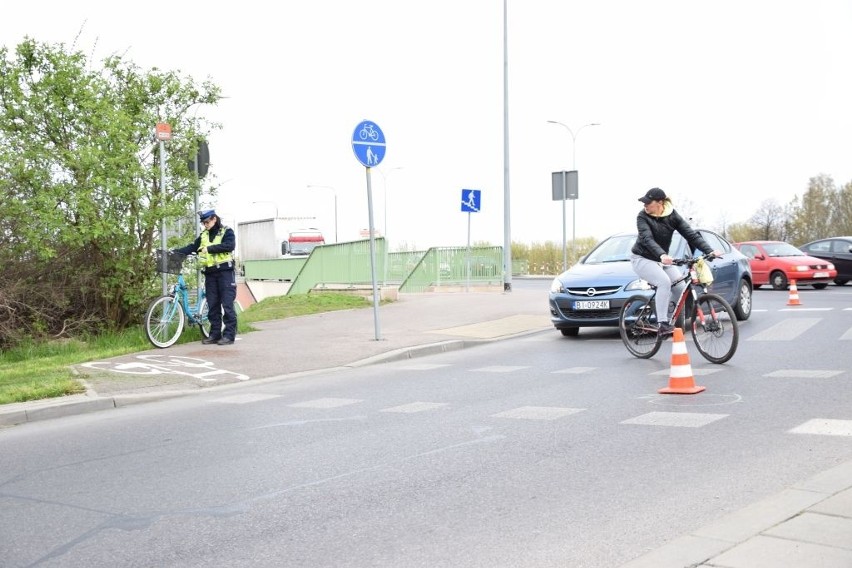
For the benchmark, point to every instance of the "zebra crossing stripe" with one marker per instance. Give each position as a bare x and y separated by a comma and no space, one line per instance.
787,330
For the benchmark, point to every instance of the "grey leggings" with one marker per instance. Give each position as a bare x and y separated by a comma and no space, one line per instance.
660,276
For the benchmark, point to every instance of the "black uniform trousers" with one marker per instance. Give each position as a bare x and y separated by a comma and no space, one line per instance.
221,290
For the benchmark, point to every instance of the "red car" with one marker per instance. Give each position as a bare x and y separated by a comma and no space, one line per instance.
777,262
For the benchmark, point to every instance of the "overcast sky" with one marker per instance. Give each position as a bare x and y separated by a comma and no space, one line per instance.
723,105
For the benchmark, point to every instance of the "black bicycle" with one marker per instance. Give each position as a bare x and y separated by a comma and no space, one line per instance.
712,320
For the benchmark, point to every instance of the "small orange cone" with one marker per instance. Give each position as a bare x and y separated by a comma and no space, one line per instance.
794,295
681,380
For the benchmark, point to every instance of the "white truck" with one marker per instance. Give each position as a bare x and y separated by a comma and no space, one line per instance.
263,239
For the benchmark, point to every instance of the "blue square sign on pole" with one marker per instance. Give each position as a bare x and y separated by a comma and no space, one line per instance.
471,200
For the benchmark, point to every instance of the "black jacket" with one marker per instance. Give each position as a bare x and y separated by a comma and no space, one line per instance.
655,234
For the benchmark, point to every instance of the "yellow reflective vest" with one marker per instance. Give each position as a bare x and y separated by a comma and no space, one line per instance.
215,258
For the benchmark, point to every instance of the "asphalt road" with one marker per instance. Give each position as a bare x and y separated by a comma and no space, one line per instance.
536,451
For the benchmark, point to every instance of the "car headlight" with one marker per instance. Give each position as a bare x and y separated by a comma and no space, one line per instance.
801,268
637,284
556,286
830,266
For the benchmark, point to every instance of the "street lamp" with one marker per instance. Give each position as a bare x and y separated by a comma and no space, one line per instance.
385,227
271,202
334,191
573,201
385,181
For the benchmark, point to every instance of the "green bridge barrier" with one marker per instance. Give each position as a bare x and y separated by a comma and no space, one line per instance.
347,265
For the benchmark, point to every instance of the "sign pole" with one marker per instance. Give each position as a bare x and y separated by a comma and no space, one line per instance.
467,285
368,143
164,132
373,257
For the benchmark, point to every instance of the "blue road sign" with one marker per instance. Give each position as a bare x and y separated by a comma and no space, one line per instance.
471,200
368,143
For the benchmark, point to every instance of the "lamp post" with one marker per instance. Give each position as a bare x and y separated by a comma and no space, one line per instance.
574,201
385,226
272,202
385,182
334,191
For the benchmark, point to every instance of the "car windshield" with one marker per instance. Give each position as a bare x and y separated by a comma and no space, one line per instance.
613,249
617,249
782,249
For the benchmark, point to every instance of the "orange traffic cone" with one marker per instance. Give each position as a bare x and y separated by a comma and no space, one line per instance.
794,295
681,380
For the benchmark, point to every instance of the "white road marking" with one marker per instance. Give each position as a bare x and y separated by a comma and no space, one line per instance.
245,398
500,369
787,330
537,413
803,374
326,403
574,370
422,366
416,407
824,427
678,419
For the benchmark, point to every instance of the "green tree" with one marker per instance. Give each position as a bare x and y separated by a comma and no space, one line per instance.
810,218
81,201
841,212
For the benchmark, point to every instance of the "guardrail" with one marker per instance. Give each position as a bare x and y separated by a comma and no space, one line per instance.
348,265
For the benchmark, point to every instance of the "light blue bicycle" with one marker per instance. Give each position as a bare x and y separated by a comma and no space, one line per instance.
167,315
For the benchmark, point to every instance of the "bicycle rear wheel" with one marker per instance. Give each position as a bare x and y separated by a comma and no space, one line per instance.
203,318
164,321
714,328
638,333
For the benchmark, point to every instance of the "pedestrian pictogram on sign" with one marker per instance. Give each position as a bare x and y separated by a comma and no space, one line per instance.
471,200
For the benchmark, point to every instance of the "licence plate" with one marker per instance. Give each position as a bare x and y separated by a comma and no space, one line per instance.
591,305
820,274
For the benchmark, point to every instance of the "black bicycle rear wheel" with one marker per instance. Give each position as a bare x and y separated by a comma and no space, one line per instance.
638,332
714,328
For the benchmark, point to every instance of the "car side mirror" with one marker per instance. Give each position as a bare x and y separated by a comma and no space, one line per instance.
759,257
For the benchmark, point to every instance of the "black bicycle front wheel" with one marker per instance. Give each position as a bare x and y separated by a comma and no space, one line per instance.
164,321
714,328
638,332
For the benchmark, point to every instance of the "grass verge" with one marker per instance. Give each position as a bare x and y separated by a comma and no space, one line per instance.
44,370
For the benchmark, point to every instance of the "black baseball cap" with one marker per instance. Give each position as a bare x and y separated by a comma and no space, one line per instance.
653,194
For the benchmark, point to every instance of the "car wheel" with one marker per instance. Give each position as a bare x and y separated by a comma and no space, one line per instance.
819,286
840,281
570,331
778,280
742,306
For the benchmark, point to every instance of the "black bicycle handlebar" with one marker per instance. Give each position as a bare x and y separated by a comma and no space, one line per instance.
689,261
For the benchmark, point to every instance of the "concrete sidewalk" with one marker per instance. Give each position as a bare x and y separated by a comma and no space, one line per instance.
808,525
416,324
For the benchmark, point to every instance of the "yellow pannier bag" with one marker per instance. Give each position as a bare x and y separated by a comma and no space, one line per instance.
705,275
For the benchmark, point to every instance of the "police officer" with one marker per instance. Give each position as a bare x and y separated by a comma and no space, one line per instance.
215,247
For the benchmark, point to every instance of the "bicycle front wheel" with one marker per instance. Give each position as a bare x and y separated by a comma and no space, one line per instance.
164,321
637,330
714,328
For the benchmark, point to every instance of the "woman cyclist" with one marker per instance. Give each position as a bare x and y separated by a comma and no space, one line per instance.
656,224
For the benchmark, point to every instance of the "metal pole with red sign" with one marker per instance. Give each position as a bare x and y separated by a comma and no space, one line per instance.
164,132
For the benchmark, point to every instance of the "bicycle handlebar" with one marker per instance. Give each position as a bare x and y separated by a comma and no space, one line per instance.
689,261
